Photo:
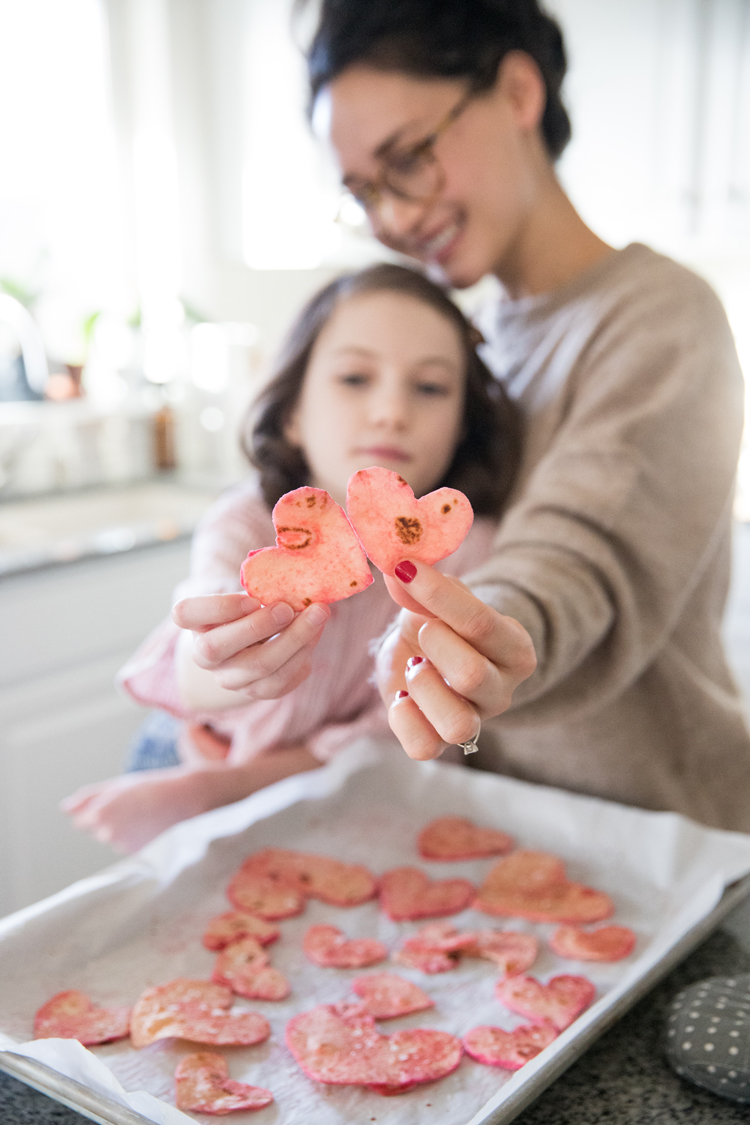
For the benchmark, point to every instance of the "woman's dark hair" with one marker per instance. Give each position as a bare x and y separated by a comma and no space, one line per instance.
443,39
486,459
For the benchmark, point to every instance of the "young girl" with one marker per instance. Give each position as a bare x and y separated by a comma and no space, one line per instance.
379,369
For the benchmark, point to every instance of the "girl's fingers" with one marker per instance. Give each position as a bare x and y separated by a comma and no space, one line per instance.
216,645
239,641
418,737
453,718
212,609
501,639
274,681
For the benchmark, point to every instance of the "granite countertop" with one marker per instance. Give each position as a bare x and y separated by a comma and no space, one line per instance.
623,1079
62,528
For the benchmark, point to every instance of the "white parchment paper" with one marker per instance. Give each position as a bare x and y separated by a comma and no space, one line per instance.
140,922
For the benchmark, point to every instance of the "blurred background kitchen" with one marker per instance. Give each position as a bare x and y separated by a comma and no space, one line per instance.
164,211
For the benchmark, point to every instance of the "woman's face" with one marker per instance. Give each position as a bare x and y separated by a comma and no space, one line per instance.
491,157
384,386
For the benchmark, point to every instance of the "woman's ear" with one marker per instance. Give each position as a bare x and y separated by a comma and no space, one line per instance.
520,82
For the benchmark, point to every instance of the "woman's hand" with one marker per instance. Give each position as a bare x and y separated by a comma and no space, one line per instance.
258,652
450,662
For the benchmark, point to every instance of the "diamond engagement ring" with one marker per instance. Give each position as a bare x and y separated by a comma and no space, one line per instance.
471,746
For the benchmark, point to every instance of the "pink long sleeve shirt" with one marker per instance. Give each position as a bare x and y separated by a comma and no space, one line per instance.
337,702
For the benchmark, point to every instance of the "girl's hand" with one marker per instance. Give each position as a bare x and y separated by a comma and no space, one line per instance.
260,652
459,660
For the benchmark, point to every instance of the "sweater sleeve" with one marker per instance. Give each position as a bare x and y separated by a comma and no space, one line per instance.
237,523
617,521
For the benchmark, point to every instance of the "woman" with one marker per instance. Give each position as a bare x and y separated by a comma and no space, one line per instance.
611,565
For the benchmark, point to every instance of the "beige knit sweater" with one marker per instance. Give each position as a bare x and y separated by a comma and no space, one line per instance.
614,553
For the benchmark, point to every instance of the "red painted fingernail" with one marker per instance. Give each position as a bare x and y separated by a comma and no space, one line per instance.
405,571
414,660
402,694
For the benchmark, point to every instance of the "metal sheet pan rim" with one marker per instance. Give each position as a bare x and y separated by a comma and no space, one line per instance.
99,1108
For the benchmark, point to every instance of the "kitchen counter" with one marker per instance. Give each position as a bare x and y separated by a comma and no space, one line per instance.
623,1079
69,526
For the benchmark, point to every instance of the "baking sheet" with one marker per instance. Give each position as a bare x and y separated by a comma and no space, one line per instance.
139,923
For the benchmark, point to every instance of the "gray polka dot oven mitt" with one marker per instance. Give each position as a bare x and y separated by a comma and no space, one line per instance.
708,1036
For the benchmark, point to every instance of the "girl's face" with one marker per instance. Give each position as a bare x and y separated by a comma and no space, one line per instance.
384,386
492,160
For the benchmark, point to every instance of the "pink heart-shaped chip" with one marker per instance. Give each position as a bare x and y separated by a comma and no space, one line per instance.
510,951
435,948
203,1085
393,525
534,885
608,943
244,967
196,1010
347,1050
455,837
317,557
406,893
236,924
386,995
275,883
72,1015
556,1003
509,1049
328,946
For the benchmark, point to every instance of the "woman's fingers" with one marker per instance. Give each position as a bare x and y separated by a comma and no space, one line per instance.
212,609
470,675
453,718
416,734
222,642
501,639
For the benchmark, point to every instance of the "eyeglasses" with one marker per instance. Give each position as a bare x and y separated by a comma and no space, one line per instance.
414,174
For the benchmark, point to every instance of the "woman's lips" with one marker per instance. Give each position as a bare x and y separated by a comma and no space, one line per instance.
441,245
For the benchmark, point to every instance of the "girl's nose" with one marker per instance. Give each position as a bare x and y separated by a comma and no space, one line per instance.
389,408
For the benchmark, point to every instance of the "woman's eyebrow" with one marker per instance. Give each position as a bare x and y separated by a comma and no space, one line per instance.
345,348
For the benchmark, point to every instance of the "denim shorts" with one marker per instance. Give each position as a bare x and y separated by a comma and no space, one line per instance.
154,745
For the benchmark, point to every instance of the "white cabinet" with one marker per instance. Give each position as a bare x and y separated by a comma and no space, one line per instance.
64,632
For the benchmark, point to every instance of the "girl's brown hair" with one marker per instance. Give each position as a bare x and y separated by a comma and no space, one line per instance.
486,459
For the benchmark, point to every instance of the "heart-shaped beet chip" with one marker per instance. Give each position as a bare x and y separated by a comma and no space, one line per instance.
534,885
196,1010
72,1015
317,557
556,1003
348,1050
438,947
245,968
608,943
234,925
406,893
386,995
203,1085
276,882
329,947
455,837
393,525
508,1049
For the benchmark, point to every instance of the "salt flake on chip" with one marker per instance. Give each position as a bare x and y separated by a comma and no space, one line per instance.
317,557
203,1085
73,1015
393,524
